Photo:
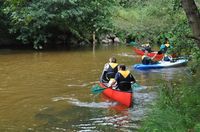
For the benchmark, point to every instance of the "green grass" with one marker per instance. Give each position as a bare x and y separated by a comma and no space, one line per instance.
177,108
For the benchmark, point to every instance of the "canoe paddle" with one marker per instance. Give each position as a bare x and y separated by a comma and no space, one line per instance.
96,89
135,85
132,43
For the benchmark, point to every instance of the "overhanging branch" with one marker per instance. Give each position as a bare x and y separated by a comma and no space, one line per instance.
192,37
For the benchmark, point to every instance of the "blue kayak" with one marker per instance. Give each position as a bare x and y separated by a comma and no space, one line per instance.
161,64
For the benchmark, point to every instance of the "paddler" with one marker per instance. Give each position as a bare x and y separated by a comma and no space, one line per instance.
164,47
123,79
146,60
109,71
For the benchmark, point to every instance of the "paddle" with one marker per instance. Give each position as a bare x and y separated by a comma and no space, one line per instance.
132,43
135,85
96,89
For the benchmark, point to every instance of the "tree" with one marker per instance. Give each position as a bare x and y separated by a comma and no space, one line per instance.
193,16
37,21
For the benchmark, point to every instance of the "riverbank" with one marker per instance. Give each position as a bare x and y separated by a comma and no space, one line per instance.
177,108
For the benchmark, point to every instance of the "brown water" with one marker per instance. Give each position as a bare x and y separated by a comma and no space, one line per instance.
50,91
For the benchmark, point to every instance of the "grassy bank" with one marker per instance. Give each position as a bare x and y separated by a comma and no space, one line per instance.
177,108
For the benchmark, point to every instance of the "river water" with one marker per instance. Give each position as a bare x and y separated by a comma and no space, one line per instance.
50,91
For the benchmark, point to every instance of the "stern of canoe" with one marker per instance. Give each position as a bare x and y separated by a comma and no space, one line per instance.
122,97
138,51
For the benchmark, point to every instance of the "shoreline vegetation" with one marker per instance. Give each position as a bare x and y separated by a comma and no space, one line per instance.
41,25
177,107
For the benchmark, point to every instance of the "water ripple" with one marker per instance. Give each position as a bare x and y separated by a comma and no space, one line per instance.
76,102
91,104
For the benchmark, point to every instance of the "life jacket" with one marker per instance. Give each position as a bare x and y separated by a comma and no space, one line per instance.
124,82
112,70
164,50
164,47
167,58
143,57
145,60
167,44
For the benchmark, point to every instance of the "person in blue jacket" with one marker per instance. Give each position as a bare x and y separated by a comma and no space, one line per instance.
164,47
123,79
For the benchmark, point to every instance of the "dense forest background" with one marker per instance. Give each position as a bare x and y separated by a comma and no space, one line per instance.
73,23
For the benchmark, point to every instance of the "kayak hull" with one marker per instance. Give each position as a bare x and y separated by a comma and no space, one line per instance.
140,52
123,97
161,64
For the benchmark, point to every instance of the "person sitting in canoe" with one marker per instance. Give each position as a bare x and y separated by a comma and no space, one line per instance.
164,47
146,60
146,47
109,71
123,79
167,57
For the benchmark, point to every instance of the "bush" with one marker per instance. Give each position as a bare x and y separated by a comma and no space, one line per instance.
178,107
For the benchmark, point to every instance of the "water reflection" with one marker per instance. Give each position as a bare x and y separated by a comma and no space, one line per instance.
167,74
111,115
50,91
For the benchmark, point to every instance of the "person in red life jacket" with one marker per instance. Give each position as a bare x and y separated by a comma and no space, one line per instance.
123,79
109,71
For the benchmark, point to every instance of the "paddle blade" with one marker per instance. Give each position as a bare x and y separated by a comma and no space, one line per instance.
135,85
96,89
132,43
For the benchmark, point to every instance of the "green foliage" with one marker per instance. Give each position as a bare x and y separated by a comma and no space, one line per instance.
130,3
176,4
177,108
142,21
197,127
194,65
139,16
33,20
2,19
148,19
4,35
166,120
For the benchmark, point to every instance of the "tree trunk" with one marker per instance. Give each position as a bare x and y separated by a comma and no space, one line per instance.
193,16
94,42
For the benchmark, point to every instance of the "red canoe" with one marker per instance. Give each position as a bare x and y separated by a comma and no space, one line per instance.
140,52
123,97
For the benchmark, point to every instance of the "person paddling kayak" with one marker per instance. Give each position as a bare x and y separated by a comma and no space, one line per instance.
164,47
146,60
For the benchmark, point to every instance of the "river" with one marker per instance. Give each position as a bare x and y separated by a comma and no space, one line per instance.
50,91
